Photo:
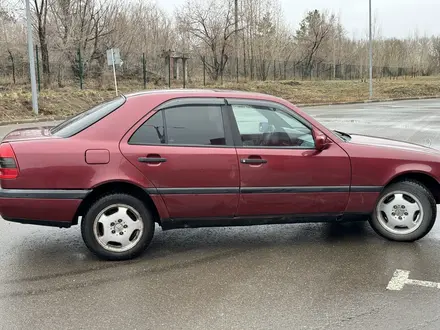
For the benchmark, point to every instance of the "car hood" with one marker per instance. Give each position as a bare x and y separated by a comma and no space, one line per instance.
390,143
36,132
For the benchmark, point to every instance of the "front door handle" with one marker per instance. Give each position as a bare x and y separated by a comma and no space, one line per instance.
253,161
152,159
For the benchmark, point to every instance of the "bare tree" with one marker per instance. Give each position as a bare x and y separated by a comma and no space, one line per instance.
63,20
41,13
85,27
435,51
269,48
211,24
314,29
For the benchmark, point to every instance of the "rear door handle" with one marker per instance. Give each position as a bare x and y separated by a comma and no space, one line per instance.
152,160
253,161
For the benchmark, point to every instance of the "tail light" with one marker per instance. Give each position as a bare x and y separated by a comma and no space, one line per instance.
8,162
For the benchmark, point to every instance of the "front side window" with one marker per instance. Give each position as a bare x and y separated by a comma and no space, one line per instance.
269,127
184,125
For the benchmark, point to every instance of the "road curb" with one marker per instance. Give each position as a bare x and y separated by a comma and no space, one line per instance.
303,105
369,101
32,120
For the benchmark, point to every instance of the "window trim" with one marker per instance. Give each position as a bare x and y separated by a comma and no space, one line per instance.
267,104
185,102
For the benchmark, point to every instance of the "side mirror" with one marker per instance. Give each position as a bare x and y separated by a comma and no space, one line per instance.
321,141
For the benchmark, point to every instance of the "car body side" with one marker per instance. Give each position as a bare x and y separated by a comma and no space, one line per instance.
59,177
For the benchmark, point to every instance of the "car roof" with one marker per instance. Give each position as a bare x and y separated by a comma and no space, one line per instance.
201,93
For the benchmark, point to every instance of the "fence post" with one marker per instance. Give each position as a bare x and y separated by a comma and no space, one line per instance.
169,70
237,68
251,63
274,70
204,70
38,67
286,63
80,68
184,72
144,70
244,67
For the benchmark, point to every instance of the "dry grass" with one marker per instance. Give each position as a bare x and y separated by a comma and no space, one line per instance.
312,92
15,103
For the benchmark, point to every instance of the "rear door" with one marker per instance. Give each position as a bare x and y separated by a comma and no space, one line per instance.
281,171
184,149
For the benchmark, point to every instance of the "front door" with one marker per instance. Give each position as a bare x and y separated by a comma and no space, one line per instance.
281,172
185,153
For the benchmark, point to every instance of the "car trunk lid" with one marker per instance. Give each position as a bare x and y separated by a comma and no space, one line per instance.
29,133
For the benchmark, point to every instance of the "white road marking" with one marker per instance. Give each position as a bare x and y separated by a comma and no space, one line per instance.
401,278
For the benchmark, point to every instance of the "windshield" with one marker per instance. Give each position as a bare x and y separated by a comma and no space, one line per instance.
87,118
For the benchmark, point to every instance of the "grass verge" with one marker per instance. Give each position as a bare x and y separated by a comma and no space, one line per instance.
15,103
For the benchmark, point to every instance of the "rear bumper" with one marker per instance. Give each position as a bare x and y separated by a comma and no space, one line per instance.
40,207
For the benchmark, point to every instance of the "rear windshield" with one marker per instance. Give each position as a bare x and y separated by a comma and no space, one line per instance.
87,118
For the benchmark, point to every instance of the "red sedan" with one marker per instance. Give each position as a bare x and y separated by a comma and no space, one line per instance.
200,158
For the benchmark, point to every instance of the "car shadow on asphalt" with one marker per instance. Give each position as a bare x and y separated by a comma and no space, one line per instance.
260,236
65,256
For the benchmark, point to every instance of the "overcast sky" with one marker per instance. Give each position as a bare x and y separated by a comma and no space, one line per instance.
396,18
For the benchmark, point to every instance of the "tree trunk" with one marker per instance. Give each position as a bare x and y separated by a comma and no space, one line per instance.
60,75
101,59
44,59
11,57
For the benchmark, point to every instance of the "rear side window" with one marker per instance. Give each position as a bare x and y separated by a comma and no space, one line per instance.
87,118
184,125
151,132
195,125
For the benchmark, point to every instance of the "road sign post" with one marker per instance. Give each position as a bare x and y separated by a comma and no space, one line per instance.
113,59
114,72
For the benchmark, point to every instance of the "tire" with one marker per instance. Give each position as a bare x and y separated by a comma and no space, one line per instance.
405,211
121,220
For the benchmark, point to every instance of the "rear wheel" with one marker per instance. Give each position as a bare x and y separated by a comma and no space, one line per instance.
405,211
117,227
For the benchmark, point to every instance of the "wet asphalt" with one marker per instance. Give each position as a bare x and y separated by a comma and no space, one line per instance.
307,276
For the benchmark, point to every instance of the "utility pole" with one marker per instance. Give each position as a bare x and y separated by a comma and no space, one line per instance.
371,53
236,36
31,59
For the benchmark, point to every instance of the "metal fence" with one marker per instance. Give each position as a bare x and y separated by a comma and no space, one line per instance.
196,71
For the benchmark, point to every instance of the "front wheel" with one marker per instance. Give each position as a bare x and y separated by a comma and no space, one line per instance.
406,211
117,227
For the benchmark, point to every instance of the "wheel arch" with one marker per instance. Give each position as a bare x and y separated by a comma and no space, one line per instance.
118,186
424,178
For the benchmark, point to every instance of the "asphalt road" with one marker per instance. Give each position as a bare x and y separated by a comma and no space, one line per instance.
308,276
